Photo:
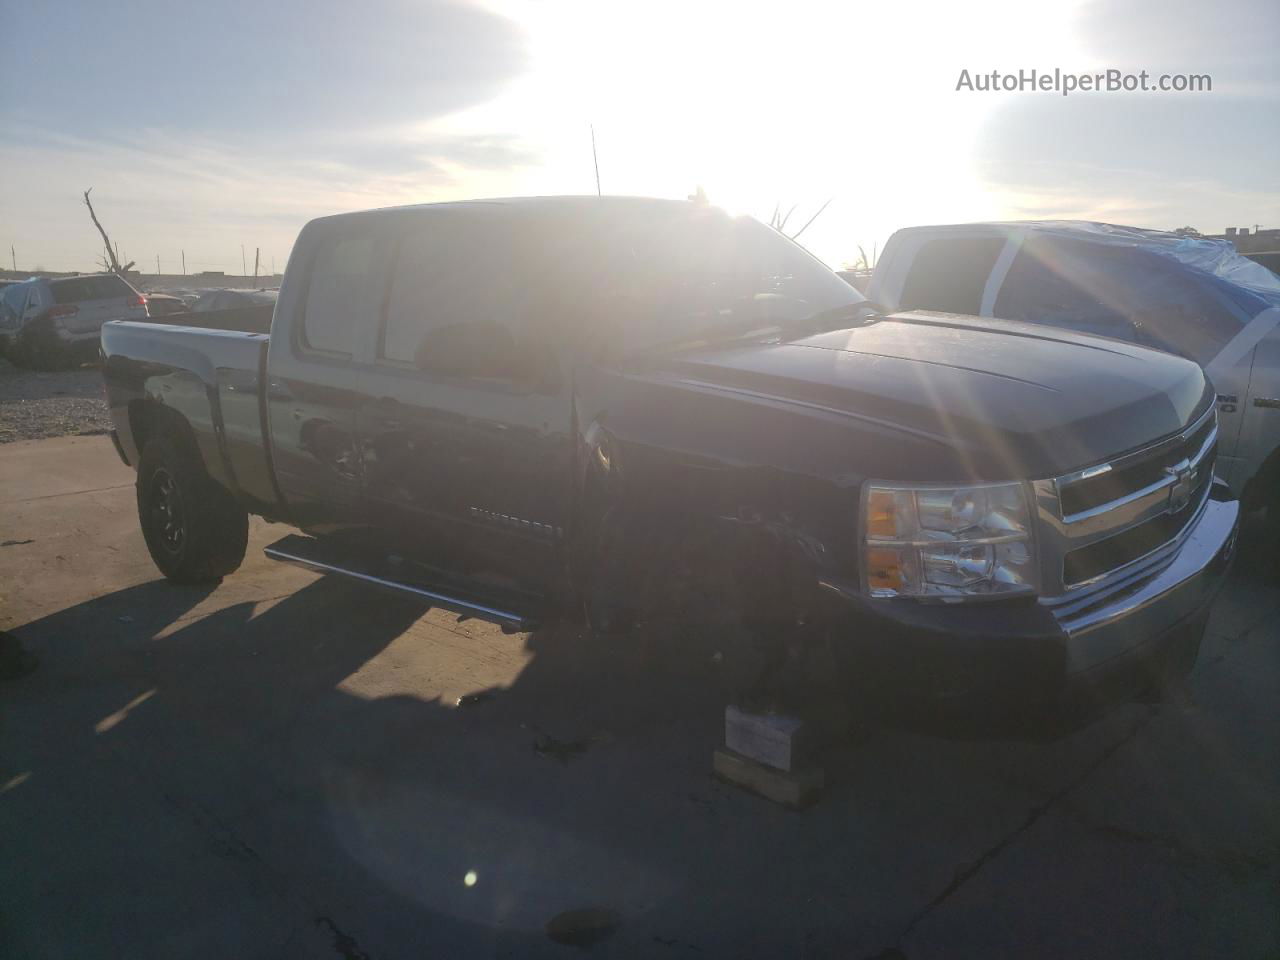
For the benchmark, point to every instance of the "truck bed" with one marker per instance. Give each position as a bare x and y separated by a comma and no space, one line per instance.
255,319
215,379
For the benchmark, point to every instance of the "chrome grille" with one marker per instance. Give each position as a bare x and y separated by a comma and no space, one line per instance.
1104,523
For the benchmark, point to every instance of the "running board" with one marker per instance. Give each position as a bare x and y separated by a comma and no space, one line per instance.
294,549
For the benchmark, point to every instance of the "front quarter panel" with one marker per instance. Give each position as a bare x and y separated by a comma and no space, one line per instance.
762,479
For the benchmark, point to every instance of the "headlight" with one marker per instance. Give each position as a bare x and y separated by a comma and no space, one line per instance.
928,541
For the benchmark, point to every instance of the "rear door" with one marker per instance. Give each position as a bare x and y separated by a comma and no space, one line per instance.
96,300
465,432
320,344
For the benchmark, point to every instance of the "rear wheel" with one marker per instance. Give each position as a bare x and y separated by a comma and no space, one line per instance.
39,349
194,529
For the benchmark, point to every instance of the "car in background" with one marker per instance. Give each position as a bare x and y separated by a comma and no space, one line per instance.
165,305
234,299
1192,296
48,323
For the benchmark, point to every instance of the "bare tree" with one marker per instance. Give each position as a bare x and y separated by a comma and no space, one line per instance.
779,220
109,262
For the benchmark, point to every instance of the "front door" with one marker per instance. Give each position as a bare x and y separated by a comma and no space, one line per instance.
464,434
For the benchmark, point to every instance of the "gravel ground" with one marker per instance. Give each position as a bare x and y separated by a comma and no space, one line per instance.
38,405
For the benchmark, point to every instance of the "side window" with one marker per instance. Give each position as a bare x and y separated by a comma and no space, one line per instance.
455,306
11,305
951,274
1048,283
343,294
1171,307
1126,293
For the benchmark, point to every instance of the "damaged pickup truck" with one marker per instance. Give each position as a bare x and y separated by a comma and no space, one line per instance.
518,409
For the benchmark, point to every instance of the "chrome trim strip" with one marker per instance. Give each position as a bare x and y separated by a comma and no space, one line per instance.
452,603
1167,481
1144,453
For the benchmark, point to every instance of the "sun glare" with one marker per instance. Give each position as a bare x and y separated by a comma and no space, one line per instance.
828,101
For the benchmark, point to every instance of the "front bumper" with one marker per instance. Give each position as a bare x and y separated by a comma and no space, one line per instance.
1124,623
1041,653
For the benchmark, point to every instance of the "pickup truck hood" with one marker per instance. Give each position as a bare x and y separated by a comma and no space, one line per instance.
1013,400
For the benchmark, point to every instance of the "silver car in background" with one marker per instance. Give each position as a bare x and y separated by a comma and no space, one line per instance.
47,323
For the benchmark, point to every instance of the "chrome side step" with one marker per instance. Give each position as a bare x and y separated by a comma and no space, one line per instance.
503,618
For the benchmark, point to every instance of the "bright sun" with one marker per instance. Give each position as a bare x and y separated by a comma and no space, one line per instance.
760,108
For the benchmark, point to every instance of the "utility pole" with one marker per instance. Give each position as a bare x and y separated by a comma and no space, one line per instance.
273,266
244,269
184,263
157,264
14,256
594,159
256,252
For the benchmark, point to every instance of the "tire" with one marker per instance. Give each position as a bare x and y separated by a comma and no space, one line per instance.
195,530
39,349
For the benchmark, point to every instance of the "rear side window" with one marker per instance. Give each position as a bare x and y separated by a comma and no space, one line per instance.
951,274
344,293
80,289
11,302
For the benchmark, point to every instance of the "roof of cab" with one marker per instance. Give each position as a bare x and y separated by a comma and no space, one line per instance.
541,205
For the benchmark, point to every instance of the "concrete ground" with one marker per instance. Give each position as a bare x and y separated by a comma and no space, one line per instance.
276,767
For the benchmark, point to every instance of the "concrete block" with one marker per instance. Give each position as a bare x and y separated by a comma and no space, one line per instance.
794,789
779,741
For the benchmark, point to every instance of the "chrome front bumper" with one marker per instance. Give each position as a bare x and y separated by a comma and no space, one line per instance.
1131,617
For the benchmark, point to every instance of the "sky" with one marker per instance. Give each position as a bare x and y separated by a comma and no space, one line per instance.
209,126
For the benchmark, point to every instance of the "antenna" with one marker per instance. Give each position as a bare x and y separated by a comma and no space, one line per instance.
594,159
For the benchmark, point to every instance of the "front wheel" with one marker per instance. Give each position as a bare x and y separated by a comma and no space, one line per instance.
194,529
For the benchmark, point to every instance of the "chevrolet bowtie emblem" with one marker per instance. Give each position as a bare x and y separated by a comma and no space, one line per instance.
1184,479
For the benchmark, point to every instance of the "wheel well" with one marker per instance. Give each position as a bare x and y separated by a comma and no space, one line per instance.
1263,487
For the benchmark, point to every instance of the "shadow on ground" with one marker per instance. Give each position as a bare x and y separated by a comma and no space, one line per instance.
189,784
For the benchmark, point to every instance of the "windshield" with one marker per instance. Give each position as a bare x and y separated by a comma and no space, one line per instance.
680,274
